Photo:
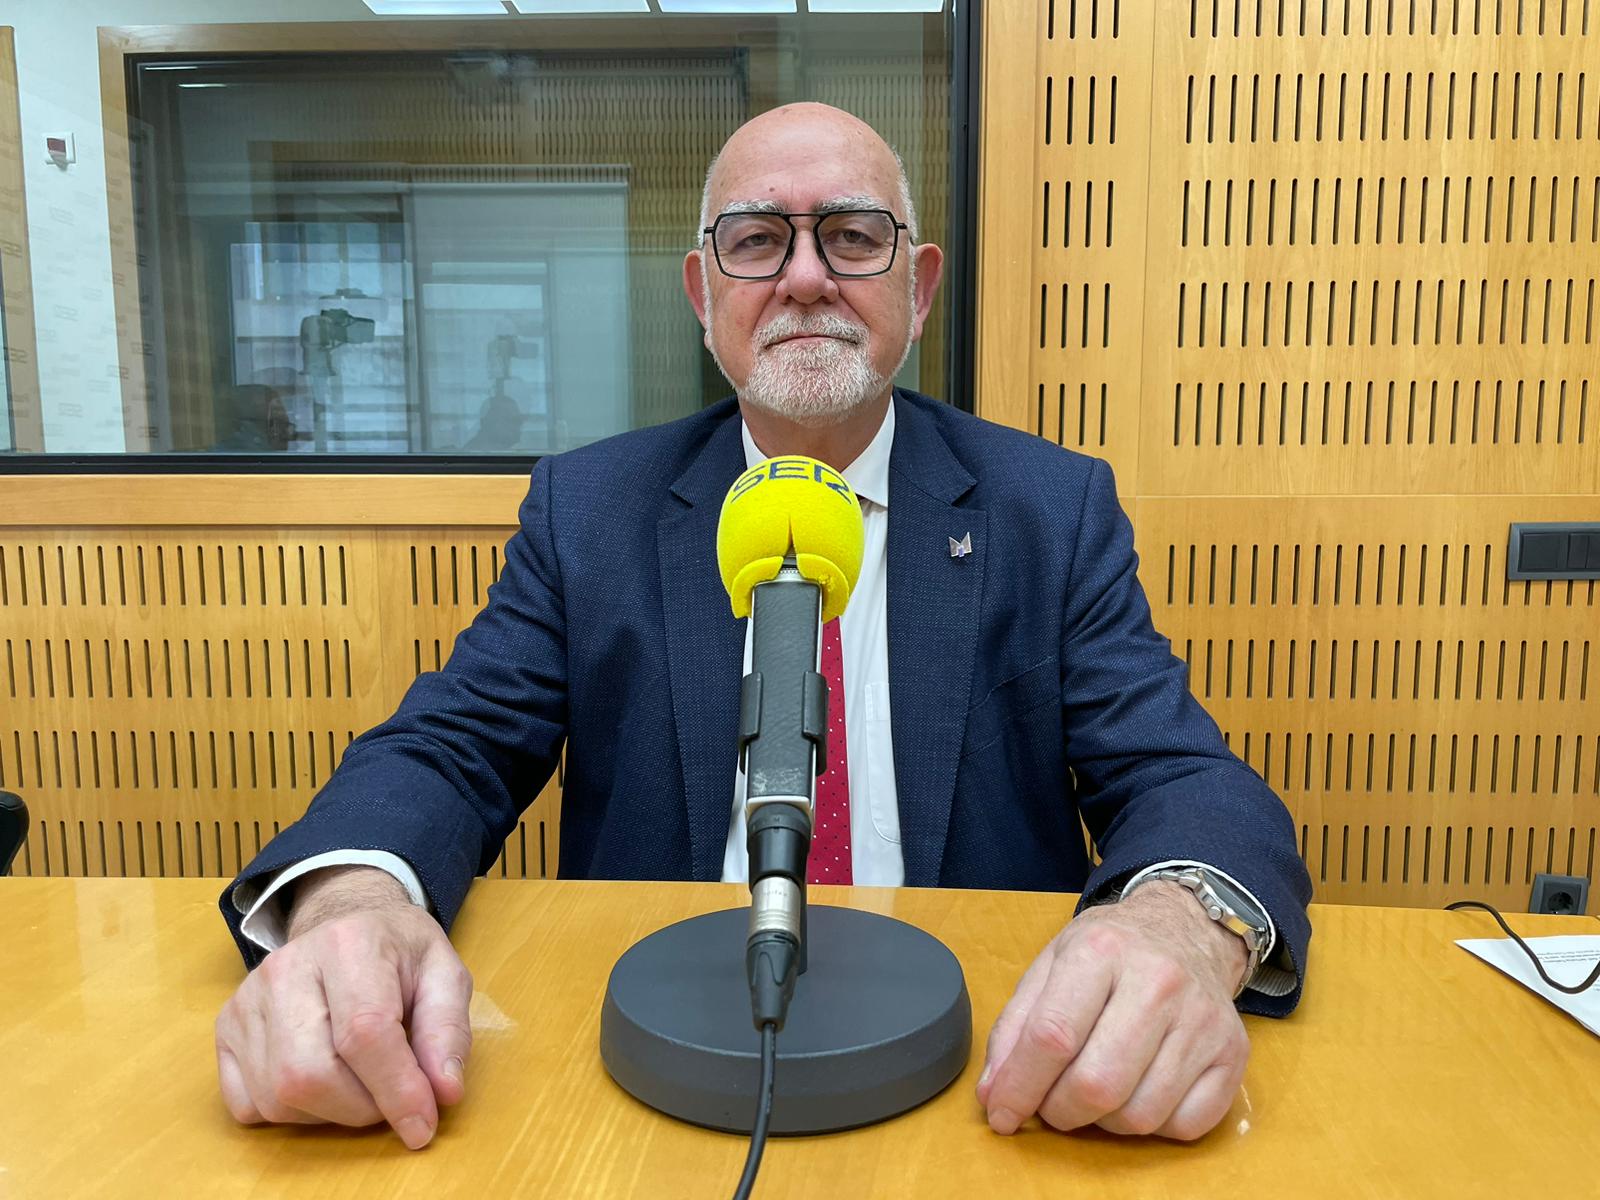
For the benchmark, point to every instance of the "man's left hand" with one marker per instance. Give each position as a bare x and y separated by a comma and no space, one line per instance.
1125,1021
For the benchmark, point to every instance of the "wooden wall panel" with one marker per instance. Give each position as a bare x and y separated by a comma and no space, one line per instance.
1063,256
1354,271
170,697
1374,254
1431,725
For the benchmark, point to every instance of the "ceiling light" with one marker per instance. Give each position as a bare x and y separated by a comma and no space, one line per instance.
727,6
437,8
202,85
875,6
562,7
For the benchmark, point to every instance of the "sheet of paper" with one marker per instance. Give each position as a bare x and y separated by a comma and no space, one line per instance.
1567,960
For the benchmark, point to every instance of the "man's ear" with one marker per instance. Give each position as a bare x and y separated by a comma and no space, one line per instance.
694,284
930,270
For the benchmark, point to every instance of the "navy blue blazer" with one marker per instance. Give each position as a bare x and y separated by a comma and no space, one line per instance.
1028,688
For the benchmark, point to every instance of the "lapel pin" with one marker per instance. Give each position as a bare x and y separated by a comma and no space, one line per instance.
962,548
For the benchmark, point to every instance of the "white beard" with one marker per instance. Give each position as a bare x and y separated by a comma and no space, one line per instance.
815,383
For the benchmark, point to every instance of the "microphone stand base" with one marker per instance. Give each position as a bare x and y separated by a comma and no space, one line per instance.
880,1022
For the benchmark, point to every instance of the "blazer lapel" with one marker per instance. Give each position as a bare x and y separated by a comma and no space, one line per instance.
705,645
933,600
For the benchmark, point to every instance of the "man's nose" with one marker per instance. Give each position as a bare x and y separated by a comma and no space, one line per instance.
806,279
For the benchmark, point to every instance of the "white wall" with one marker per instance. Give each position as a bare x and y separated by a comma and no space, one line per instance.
58,74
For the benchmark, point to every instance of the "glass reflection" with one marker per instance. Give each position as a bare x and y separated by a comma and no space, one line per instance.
468,252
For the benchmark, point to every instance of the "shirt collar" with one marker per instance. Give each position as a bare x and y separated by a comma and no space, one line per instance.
868,475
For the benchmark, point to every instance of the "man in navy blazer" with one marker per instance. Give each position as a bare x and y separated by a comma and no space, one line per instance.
1030,698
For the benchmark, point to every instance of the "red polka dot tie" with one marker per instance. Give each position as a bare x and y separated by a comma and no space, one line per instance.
830,839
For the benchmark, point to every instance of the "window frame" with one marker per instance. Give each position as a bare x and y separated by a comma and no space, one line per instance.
123,50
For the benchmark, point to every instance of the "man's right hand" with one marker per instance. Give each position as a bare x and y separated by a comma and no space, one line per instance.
318,1032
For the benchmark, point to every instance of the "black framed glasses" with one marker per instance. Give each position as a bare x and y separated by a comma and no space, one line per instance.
853,243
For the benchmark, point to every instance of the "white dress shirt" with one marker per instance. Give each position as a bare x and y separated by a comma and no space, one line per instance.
874,803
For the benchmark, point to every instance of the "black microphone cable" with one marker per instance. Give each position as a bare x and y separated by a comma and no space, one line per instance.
758,1134
1574,989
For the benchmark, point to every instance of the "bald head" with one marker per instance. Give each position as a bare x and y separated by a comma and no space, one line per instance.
782,138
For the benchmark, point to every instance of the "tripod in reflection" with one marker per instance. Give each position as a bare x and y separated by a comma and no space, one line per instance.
322,334
501,419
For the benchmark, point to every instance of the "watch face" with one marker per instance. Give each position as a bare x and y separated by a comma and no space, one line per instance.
1241,904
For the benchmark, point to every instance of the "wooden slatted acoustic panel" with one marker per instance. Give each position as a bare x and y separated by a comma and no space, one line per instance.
169,698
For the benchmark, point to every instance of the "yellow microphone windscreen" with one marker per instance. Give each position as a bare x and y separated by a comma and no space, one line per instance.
790,505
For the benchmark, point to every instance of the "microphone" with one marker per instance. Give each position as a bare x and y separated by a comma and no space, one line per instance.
789,546
885,1021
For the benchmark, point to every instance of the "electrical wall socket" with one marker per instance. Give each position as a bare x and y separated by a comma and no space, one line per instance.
1566,895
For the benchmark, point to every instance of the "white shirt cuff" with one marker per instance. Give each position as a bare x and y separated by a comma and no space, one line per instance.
1270,979
264,920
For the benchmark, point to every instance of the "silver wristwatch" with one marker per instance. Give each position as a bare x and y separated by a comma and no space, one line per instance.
1226,905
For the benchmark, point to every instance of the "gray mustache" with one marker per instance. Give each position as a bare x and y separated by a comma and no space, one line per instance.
825,326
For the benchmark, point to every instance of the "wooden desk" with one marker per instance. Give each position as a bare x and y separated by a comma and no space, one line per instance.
1410,1070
